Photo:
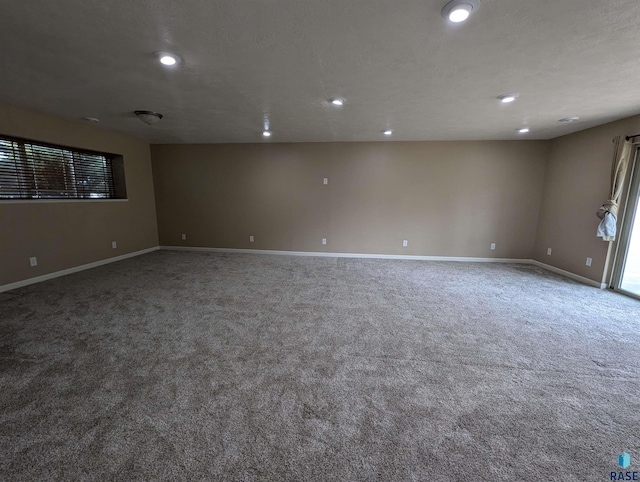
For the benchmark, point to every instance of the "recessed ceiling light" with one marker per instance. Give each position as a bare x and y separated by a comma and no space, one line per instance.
570,119
167,58
266,134
91,119
508,98
457,11
523,130
388,132
460,14
337,101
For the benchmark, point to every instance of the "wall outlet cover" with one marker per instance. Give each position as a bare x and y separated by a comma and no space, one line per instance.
114,245
325,181
493,245
251,239
184,237
549,251
33,261
324,240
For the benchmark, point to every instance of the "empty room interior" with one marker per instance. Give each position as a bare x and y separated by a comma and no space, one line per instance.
314,241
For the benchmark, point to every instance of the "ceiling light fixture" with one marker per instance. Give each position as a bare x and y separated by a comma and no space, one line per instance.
508,98
167,58
339,101
266,134
523,130
148,117
570,119
457,11
388,132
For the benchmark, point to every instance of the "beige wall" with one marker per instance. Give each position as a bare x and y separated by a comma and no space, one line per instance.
68,234
445,198
576,184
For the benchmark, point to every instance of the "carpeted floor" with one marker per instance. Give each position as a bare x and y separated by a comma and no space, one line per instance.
200,366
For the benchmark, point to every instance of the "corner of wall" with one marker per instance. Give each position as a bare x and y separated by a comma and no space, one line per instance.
66,234
577,181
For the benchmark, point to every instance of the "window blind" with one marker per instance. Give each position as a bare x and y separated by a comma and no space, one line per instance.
34,170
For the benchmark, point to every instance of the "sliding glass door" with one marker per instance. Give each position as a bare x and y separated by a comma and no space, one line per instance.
630,281
627,273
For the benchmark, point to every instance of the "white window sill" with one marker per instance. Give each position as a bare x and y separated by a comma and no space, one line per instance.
48,201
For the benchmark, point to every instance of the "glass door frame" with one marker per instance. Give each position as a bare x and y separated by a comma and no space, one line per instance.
624,236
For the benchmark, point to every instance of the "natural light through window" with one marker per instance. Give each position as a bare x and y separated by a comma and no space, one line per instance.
30,170
631,275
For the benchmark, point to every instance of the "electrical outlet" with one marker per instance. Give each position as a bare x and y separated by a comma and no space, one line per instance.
549,251
184,237
114,245
251,239
325,181
589,261
33,261
493,245
405,243
324,240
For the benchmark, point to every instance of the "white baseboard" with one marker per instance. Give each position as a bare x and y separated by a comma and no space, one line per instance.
568,274
464,259
75,269
347,255
57,274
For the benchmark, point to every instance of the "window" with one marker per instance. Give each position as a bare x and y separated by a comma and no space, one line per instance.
33,170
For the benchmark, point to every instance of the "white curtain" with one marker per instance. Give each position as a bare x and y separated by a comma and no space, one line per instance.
608,212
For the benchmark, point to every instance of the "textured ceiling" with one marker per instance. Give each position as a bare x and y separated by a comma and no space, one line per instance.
397,62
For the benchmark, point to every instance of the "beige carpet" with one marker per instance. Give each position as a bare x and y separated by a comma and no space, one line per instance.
197,366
